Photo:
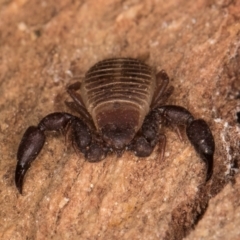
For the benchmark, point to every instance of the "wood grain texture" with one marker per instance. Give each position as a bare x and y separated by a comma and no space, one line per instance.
44,44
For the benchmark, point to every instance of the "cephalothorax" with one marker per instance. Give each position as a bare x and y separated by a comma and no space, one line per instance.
121,107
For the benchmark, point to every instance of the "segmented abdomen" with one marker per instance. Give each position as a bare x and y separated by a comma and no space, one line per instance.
117,82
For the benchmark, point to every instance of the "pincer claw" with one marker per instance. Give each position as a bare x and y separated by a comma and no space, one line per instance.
30,146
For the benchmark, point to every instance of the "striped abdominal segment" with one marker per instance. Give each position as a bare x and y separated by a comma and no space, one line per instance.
119,90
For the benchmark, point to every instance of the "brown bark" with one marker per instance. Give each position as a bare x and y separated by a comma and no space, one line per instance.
44,43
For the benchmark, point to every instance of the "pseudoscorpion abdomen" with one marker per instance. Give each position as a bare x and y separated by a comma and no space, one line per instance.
118,83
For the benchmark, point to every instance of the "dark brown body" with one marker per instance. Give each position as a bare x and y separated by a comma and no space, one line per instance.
121,106
119,92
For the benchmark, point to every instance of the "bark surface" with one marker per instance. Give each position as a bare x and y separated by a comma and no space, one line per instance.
45,44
